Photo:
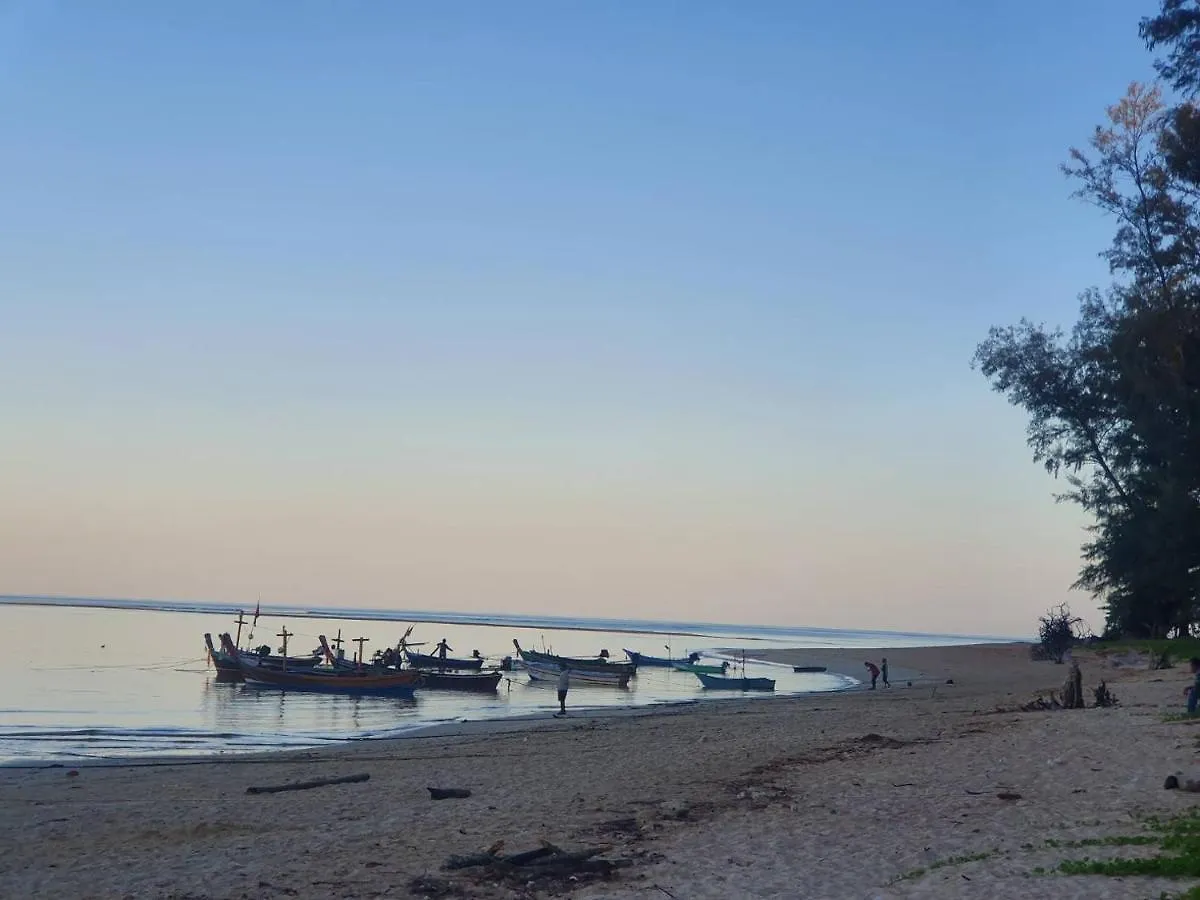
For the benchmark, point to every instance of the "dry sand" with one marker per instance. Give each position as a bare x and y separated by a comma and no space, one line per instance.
822,796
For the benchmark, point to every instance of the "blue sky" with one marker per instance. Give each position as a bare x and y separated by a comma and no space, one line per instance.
657,309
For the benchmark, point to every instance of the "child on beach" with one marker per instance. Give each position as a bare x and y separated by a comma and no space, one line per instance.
883,671
874,670
1193,692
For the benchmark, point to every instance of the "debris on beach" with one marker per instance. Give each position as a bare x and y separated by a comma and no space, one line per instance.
545,863
1177,782
308,785
448,793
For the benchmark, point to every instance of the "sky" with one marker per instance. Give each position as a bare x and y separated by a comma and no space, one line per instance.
658,310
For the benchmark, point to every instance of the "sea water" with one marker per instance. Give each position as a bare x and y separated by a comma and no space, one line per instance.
131,678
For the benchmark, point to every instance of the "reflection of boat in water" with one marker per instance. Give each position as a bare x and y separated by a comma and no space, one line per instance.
717,682
543,671
576,664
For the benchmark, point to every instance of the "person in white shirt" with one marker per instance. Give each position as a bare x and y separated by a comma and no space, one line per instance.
564,683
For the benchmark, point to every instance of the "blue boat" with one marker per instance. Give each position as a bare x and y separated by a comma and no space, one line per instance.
720,682
662,662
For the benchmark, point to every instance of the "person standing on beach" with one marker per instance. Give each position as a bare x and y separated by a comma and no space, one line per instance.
564,684
884,672
1193,692
874,670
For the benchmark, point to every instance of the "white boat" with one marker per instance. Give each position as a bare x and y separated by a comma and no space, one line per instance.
540,671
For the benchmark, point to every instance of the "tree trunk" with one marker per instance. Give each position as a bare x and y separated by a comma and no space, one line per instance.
1073,689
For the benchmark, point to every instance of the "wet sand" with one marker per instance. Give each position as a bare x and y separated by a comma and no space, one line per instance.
823,796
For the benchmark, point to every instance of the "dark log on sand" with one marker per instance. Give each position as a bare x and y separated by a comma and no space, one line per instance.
448,793
306,785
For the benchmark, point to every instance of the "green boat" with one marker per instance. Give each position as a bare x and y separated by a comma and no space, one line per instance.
698,669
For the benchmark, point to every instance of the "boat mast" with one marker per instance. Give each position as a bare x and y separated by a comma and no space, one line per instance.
241,620
360,641
285,634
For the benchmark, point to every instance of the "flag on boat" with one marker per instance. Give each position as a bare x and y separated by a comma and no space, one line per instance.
256,608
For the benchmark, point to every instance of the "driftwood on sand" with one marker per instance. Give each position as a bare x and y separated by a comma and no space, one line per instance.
448,793
544,860
306,785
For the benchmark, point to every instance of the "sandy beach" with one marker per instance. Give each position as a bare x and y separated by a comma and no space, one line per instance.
859,794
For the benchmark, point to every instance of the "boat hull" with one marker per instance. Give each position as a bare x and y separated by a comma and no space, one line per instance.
365,681
697,669
719,683
540,671
229,668
811,669
576,665
660,662
459,681
426,661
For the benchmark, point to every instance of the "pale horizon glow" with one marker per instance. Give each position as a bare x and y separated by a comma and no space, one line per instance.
579,311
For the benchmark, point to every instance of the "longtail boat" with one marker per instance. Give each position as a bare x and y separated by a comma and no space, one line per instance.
661,662
575,664
227,666
698,669
717,682
334,681
399,684
429,661
544,671
459,681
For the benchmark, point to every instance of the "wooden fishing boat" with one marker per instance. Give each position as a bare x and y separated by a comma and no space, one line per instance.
334,681
543,671
718,682
428,661
575,664
698,669
227,666
661,662
459,681
808,668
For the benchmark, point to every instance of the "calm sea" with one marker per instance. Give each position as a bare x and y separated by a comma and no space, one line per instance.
131,678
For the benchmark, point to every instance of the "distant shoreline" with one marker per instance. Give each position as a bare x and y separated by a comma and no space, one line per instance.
499,620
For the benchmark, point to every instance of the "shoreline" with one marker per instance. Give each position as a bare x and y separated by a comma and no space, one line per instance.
745,796
842,662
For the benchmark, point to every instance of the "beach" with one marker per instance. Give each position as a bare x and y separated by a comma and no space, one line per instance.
859,794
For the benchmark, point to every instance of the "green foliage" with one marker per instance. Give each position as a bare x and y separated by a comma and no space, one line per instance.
1179,840
1176,650
1114,405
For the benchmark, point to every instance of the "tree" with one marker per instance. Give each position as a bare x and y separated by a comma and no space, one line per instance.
1115,406
1056,633
1176,28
